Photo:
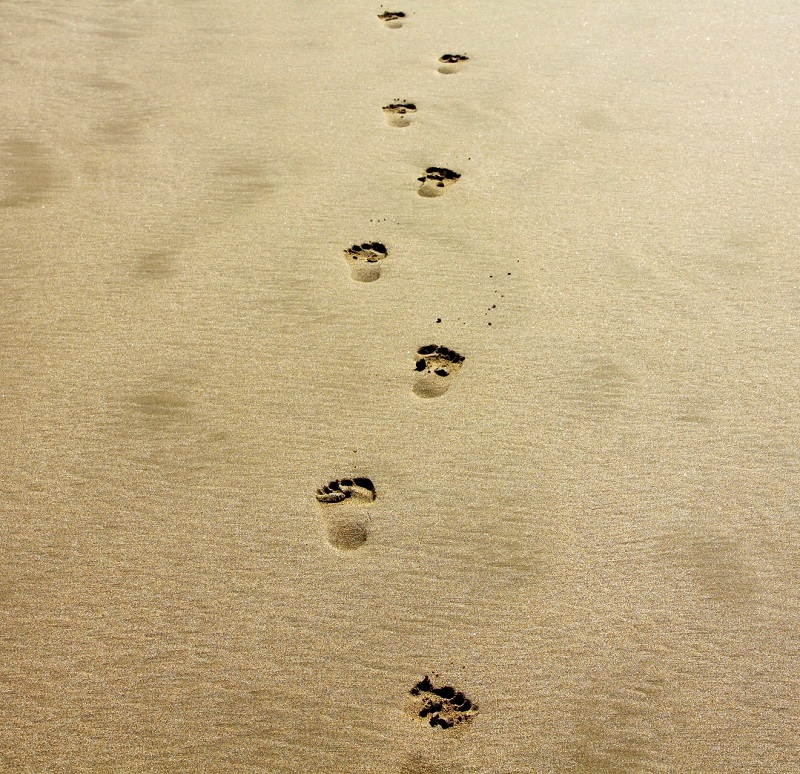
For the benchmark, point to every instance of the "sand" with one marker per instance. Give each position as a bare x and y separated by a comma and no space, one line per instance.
592,533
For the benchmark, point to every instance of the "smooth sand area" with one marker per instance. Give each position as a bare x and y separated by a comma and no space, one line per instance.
592,533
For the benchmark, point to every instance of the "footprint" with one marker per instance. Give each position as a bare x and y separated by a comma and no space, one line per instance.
392,19
444,707
397,113
435,180
437,366
364,260
452,63
347,526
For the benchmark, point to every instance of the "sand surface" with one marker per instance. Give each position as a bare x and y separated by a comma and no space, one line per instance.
594,533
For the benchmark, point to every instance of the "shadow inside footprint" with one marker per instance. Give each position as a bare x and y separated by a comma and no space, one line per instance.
392,19
435,180
365,260
437,366
442,706
397,113
348,525
451,63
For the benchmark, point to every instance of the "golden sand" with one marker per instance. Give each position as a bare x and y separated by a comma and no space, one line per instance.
591,534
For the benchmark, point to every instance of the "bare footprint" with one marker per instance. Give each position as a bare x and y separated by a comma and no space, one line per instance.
451,63
437,366
392,19
347,524
397,113
444,706
364,260
435,180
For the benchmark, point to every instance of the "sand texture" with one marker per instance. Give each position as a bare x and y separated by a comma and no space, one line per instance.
246,525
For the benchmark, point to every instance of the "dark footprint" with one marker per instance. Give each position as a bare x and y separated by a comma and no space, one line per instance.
435,180
347,526
451,63
443,706
392,19
397,113
436,366
365,260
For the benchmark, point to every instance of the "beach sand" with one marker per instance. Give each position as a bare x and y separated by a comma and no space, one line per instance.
593,533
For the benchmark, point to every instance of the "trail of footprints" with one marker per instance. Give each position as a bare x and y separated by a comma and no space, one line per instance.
343,501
